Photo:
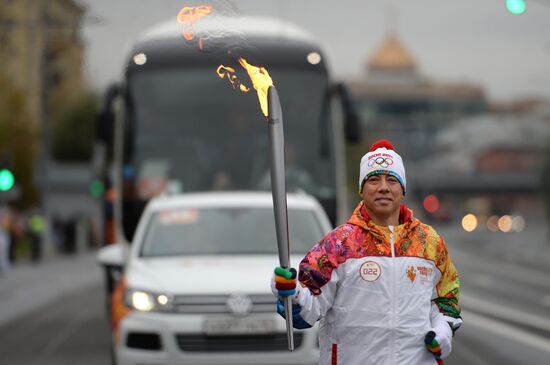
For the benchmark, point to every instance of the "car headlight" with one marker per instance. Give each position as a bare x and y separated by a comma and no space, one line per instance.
146,301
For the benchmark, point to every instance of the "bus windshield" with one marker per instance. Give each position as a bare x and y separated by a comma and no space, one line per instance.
190,129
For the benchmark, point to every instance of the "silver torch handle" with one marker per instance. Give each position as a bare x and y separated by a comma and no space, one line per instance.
278,188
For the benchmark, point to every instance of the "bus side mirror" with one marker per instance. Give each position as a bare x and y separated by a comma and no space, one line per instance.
106,116
352,127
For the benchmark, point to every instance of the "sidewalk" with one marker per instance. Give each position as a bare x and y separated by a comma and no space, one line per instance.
27,286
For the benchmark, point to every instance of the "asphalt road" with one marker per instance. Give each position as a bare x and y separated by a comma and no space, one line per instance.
505,296
505,302
71,330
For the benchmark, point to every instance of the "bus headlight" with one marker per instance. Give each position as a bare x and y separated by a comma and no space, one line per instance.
146,301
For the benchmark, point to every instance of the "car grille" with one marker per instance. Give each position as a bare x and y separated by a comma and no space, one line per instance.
210,304
240,343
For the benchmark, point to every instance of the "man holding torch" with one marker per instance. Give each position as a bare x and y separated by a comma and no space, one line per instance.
382,285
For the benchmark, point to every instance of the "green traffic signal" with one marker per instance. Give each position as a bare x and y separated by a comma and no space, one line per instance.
516,7
6,180
96,188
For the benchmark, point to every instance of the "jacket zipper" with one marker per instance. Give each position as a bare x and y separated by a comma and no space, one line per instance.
393,299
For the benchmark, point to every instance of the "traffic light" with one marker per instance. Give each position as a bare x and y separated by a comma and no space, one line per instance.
515,7
96,188
6,179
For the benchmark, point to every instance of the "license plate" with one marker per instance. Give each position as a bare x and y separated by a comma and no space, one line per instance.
235,326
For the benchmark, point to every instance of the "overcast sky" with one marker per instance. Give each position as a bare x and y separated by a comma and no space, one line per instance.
462,40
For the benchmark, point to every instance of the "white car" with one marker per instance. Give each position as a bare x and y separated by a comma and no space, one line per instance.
195,288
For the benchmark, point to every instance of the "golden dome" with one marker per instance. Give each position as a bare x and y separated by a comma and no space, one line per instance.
392,55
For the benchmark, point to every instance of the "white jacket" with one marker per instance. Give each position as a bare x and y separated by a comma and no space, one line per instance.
378,290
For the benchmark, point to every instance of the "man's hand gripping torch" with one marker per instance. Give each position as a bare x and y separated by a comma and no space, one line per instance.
278,188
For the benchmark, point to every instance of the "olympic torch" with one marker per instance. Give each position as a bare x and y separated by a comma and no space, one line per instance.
278,188
271,108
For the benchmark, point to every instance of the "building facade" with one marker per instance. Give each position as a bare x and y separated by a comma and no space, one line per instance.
395,101
471,156
491,165
41,50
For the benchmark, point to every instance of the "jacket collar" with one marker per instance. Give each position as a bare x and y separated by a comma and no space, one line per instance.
361,218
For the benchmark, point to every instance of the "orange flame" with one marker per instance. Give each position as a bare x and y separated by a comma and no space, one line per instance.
229,72
259,75
188,16
260,80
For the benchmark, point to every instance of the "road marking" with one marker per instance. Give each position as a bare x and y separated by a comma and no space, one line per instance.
505,330
506,313
484,281
469,354
59,339
507,269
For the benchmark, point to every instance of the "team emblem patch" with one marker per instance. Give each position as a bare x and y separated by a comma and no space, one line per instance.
426,274
411,273
370,271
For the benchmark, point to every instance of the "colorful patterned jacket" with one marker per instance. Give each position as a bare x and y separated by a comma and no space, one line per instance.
378,290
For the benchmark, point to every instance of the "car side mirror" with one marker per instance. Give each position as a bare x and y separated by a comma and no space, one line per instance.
111,258
113,255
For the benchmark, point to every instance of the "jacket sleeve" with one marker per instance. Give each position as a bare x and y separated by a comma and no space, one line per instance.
443,333
447,289
318,276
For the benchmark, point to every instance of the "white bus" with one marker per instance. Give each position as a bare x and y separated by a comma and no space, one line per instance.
178,126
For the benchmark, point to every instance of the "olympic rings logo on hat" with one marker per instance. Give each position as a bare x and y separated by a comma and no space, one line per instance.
381,162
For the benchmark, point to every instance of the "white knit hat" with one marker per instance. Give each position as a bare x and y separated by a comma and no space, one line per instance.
382,159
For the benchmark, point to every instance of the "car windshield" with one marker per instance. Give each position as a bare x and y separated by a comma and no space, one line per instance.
226,231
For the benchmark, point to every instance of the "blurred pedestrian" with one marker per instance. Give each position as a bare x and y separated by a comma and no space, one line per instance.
382,285
35,229
69,232
16,232
5,241
57,232
92,233
297,177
